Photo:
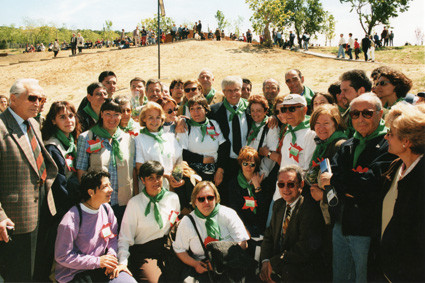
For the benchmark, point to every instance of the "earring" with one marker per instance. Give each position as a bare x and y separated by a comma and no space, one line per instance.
404,146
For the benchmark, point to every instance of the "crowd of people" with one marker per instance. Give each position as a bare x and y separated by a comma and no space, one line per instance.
315,186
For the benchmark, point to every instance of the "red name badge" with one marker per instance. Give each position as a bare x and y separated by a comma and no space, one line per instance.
173,217
359,169
211,132
106,232
95,146
319,160
134,134
208,240
250,203
69,161
294,152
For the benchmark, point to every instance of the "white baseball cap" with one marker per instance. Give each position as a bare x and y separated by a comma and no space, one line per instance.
294,98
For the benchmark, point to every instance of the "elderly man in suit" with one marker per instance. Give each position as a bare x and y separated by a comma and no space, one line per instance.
235,122
292,245
27,173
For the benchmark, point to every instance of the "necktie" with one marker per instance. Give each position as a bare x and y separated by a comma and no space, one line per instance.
41,166
236,134
287,219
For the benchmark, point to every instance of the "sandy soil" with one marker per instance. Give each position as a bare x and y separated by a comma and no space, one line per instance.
66,78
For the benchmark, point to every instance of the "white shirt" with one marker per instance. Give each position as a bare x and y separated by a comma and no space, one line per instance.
136,228
193,141
147,148
243,123
341,41
350,42
21,124
271,141
231,229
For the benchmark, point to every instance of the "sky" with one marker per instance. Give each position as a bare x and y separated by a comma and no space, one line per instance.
91,14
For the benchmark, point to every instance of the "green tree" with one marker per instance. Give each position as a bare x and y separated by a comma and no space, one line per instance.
166,23
237,24
374,12
329,28
305,16
222,23
267,14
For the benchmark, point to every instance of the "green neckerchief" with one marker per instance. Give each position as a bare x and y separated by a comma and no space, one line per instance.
244,184
184,107
129,127
380,131
282,130
210,95
308,94
68,143
203,126
321,147
242,105
213,230
158,138
303,125
397,101
38,116
155,201
255,130
91,112
341,110
103,133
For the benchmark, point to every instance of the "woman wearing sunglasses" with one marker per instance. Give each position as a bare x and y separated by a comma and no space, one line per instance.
214,222
260,135
391,87
402,218
105,145
127,124
170,109
191,88
247,197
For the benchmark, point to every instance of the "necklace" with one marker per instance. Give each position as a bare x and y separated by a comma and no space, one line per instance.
89,206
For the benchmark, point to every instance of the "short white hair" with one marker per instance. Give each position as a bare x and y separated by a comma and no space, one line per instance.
20,86
368,97
231,80
205,70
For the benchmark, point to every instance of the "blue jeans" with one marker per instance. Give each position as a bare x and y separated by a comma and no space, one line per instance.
341,52
350,254
305,44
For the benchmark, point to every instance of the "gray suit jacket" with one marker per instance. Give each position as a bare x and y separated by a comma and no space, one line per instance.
19,176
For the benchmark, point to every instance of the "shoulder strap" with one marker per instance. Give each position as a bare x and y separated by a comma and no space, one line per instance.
263,135
197,232
80,213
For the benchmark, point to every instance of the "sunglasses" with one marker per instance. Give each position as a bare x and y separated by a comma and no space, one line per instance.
172,110
187,90
382,83
290,109
34,98
202,199
252,165
367,114
124,111
290,185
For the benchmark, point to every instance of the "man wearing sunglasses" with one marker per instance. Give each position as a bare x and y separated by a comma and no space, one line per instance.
290,251
357,168
353,84
28,172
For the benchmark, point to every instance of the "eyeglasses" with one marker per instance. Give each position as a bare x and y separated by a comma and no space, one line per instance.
382,83
170,111
202,199
252,165
290,185
187,90
290,109
34,98
367,114
124,111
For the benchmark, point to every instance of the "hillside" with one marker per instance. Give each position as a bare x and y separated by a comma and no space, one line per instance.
66,78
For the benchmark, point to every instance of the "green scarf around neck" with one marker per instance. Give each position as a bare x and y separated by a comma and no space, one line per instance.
203,126
68,143
210,95
255,130
158,138
103,133
129,127
303,125
323,146
213,230
89,110
242,106
154,200
380,131
244,184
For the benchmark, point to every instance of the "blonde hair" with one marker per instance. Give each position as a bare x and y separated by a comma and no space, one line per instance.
330,110
408,121
151,106
199,187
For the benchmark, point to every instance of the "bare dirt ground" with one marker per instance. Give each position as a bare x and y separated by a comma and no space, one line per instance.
66,78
